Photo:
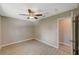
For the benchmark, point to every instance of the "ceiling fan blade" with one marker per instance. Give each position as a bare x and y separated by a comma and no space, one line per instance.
24,14
38,15
29,10
35,17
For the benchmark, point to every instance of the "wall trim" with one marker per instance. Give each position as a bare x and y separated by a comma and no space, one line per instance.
46,42
4,45
43,41
65,44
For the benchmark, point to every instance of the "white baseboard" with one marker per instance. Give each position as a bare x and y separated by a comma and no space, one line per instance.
43,41
64,44
46,42
15,42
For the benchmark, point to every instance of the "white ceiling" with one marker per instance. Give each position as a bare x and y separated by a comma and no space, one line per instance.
49,9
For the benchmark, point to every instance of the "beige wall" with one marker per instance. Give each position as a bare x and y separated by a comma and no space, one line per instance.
61,31
0,31
65,31
47,32
14,30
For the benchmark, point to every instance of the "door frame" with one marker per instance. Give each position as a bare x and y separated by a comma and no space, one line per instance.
75,35
58,20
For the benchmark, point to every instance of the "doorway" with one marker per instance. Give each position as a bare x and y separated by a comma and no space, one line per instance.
65,34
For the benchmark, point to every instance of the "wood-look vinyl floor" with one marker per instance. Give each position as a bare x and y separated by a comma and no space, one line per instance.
34,47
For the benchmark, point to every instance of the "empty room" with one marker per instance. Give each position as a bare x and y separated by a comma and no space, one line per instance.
39,28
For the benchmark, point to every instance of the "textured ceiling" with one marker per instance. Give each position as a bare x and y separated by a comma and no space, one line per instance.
48,9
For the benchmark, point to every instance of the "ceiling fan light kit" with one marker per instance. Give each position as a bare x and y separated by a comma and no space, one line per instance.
31,17
31,14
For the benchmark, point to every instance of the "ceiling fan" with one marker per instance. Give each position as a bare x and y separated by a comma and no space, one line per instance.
32,14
